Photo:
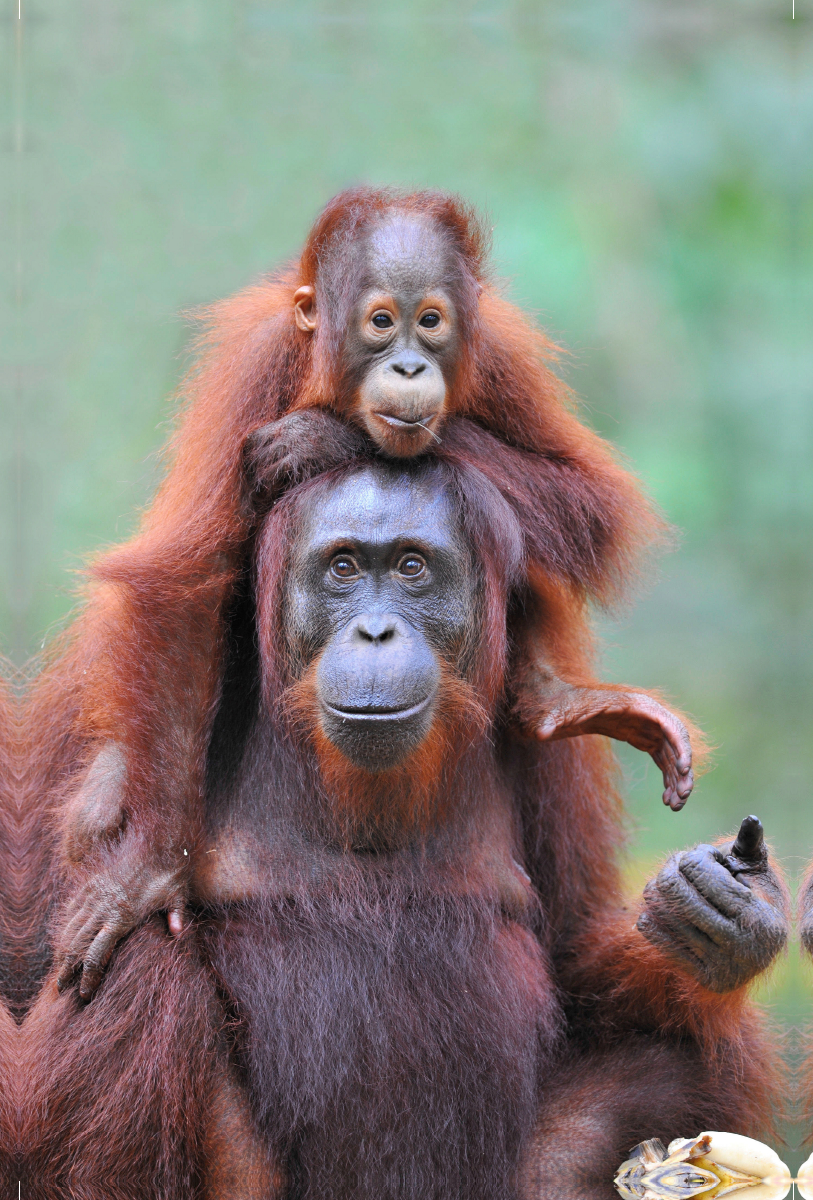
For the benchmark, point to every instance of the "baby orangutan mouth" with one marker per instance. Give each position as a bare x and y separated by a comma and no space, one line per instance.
424,423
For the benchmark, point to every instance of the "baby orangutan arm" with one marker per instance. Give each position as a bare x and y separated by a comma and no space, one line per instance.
122,883
550,708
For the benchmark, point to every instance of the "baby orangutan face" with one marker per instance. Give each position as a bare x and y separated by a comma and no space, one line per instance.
400,350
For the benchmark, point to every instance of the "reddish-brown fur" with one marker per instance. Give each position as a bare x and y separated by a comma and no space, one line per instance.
140,664
12,902
399,996
143,666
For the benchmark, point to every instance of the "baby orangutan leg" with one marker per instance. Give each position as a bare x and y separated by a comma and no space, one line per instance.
550,708
604,1102
237,1161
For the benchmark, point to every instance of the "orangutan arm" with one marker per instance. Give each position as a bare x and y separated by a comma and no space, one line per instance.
712,919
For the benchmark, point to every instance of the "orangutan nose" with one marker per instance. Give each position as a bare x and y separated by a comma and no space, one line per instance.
409,365
378,628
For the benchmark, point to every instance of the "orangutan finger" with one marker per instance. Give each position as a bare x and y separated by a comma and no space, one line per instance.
66,972
82,914
96,960
678,783
78,944
175,921
70,959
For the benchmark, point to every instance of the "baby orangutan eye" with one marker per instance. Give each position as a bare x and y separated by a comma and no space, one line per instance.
381,320
430,320
343,567
412,566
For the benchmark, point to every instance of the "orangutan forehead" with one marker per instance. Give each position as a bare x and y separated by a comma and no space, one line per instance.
408,252
382,504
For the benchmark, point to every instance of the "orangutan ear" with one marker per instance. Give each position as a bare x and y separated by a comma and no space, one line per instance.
305,308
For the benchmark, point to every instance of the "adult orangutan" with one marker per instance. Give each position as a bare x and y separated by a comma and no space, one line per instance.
385,334
410,914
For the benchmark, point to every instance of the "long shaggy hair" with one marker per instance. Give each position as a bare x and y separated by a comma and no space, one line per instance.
117,1092
393,1031
142,662
393,1040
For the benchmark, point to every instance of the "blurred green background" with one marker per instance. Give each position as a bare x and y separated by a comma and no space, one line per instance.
644,165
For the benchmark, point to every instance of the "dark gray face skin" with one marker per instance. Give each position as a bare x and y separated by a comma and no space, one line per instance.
380,586
402,345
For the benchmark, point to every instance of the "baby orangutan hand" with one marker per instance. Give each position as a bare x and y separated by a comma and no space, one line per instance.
109,904
722,911
295,447
568,710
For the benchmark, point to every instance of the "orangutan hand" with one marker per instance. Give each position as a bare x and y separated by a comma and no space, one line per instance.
295,447
627,716
109,904
721,911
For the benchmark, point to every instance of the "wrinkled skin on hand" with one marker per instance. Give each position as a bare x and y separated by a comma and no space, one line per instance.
719,910
295,447
115,898
624,714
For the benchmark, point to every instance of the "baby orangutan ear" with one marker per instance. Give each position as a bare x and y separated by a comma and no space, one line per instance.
305,308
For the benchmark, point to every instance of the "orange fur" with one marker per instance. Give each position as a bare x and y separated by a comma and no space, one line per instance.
142,662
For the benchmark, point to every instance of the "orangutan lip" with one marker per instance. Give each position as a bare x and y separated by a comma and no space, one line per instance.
411,426
379,714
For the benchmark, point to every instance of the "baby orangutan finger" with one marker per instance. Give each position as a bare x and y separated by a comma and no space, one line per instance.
96,960
78,912
678,784
72,956
67,972
632,717
175,921
673,752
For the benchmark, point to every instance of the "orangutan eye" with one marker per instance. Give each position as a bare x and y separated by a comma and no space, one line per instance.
430,320
412,566
382,320
343,567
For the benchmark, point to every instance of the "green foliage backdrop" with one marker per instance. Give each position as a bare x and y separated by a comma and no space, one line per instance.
643,166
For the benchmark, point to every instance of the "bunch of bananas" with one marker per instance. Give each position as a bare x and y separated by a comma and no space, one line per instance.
710,1166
